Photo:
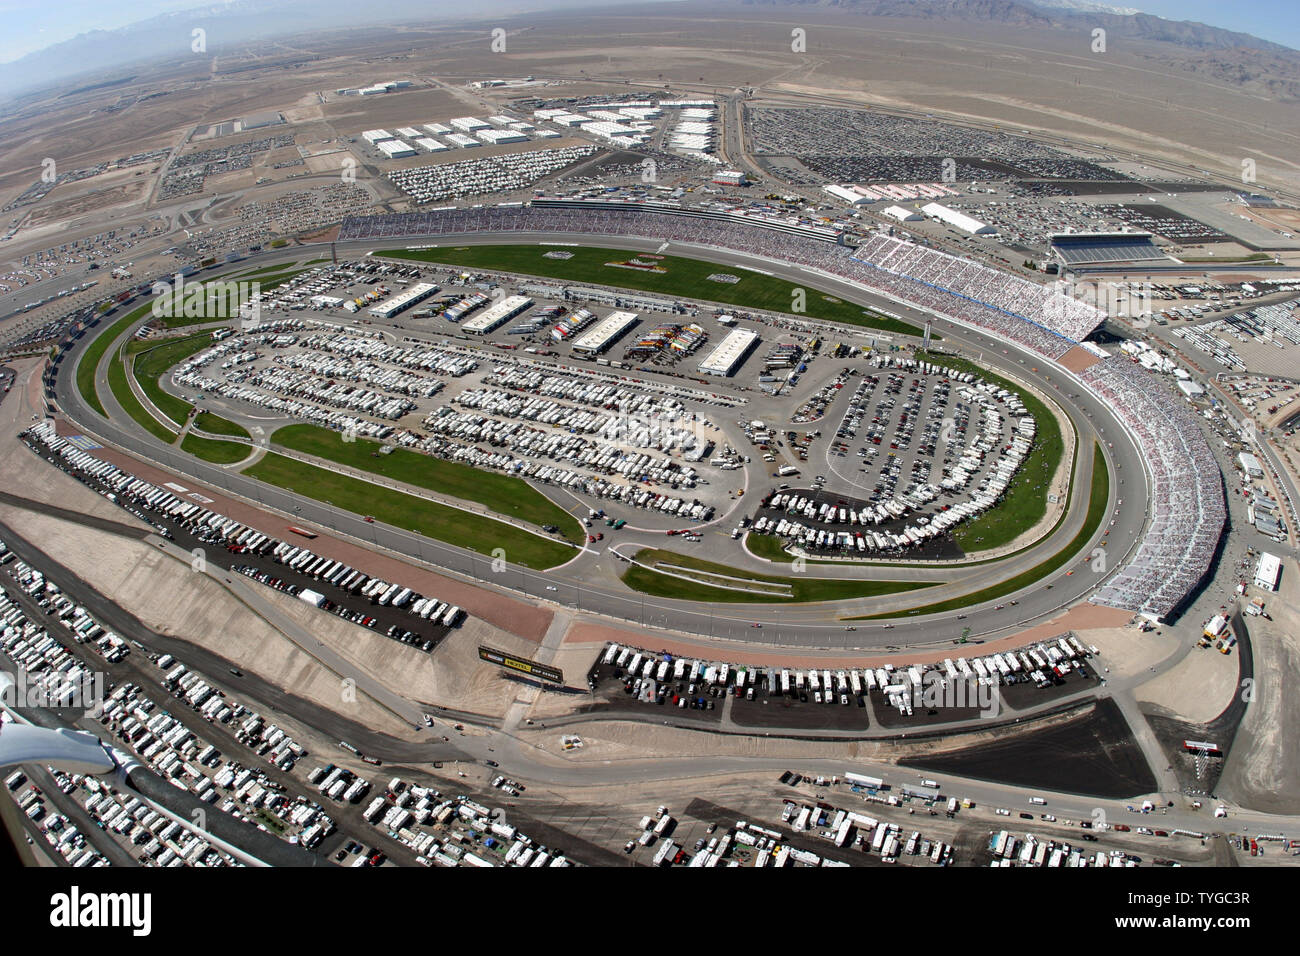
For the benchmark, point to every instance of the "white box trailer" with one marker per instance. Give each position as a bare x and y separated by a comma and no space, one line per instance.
861,780
842,834
667,850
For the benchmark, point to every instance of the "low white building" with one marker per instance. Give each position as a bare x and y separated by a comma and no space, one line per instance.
901,214
468,124
730,352
396,149
1268,572
494,137
958,220
846,194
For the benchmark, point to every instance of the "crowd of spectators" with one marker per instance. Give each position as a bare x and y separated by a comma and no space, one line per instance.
1043,306
1040,317
1187,507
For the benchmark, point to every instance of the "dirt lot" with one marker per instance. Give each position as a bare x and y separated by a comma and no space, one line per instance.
1261,768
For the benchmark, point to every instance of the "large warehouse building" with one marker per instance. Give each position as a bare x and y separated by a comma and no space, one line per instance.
403,300
848,195
1268,572
610,329
497,315
396,149
730,352
901,214
958,220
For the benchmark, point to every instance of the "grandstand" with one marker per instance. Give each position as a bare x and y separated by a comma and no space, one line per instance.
1039,317
1091,248
1188,509
1049,309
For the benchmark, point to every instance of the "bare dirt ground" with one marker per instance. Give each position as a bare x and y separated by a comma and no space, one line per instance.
1213,675
1078,360
1043,82
451,676
1261,770
170,598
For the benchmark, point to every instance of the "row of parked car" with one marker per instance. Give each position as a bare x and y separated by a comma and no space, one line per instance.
210,527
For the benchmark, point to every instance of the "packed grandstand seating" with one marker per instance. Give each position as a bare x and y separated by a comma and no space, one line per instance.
1041,305
1187,503
1187,509
1040,317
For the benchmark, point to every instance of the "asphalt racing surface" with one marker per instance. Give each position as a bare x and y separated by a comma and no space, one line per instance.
807,626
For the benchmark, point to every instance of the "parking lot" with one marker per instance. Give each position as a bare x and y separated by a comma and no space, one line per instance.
843,699
933,447
289,566
455,376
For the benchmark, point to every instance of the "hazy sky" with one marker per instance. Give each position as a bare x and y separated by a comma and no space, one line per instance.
32,24
1276,20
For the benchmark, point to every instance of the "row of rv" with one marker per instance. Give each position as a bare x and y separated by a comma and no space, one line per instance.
192,375
346,578
1009,850
575,481
625,426
165,743
345,395
925,528
290,408
363,344
83,628
849,829
347,369
62,675
593,391
209,525
60,832
1056,657
531,442
403,810
65,680
339,783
